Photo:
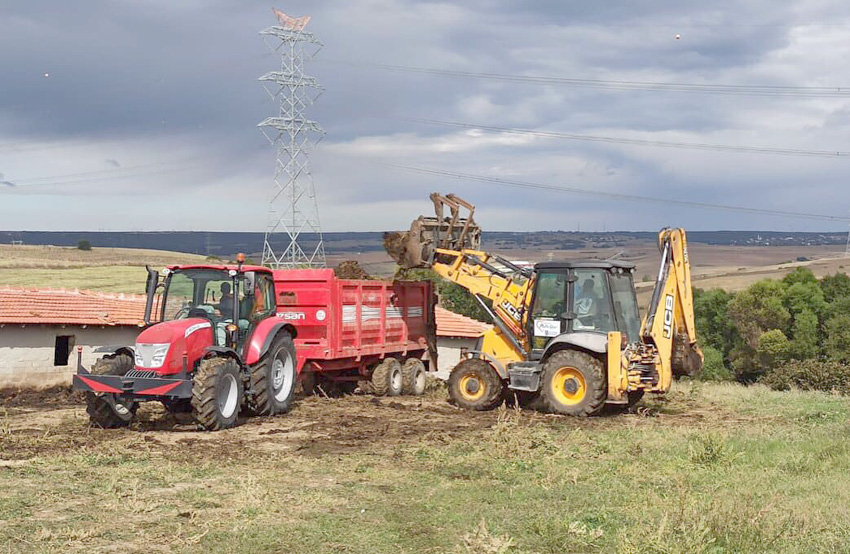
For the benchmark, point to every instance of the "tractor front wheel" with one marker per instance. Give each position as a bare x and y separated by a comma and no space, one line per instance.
273,379
475,385
217,393
101,412
573,383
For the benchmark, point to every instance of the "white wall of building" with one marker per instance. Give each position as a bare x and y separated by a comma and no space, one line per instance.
448,353
27,353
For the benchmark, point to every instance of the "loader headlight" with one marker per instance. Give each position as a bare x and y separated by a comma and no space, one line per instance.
151,355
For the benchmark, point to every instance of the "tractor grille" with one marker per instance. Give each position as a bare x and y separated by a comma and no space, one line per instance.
140,374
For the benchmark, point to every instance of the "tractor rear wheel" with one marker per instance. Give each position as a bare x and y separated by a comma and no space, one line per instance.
475,385
101,413
413,377
273,379
573,383
386,378
217,393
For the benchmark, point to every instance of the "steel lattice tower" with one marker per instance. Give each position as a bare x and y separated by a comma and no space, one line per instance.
293,237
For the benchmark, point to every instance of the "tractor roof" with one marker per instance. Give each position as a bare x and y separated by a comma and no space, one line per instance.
585,264
223,267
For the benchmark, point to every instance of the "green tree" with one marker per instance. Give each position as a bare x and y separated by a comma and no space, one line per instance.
758,309
714,368
837,341
773,348
800,297
804,333
835,286
714,327
800,275
83,244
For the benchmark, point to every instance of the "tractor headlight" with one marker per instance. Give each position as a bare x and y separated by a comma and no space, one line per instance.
151,355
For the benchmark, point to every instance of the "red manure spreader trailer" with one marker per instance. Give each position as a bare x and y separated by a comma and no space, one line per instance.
220,340
354,331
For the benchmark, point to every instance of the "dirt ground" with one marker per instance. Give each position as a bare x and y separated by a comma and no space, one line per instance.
317,426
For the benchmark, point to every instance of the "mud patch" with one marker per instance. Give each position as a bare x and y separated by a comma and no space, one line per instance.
52,397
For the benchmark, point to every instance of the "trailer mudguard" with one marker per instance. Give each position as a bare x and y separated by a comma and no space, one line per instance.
261,339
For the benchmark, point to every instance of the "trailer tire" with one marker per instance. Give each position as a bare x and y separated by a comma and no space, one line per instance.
475,385
386,378
217,393
413,377
573,383
99,410
273,379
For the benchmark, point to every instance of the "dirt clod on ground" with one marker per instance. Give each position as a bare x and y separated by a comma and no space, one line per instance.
350,269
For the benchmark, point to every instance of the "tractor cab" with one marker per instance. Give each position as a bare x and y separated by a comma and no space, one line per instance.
192,308
575,298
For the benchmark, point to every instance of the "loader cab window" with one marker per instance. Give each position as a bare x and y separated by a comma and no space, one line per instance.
549,307
625,304
592,302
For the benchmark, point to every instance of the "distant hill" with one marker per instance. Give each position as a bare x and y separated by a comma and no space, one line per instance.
223,244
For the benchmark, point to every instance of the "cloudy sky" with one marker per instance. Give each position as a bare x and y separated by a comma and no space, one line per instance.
141,114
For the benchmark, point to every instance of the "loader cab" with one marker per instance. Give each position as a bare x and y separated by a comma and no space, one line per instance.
575,297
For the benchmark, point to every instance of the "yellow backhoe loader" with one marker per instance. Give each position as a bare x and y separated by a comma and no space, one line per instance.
569,332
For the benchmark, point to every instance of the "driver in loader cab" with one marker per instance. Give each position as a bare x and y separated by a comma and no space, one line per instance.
586,302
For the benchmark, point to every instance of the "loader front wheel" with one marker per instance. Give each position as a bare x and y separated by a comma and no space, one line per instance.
475,385
217,393
413,377
573,383
101,412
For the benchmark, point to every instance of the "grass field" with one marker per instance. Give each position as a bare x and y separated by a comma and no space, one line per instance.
710,468
100,269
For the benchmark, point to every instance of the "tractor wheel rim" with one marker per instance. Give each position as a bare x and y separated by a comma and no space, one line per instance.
419,382
569,386
396,379
282,377
472,387
227,396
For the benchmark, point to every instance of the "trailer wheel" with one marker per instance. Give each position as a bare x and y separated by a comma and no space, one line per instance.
217,393
101,413
386,378
413,377
475,385
273,379
573,383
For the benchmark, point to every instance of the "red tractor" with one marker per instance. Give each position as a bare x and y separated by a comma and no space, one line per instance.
212,345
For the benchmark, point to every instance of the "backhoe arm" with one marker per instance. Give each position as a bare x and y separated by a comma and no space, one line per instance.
669,323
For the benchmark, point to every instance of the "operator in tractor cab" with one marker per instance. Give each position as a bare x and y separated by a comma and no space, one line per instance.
225,304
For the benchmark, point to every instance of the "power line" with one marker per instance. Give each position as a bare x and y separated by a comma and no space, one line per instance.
95,176
636,142
721,89
615,195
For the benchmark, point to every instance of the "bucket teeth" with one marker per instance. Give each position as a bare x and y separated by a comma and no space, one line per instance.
416,247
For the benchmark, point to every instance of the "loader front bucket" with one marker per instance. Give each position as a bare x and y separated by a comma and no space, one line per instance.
416,247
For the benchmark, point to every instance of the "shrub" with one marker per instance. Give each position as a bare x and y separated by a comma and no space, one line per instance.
83,244
713,368
821,375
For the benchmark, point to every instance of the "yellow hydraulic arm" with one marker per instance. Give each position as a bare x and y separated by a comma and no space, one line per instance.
668,327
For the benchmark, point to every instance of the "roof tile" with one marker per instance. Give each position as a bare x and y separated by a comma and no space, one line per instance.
69,307
450,324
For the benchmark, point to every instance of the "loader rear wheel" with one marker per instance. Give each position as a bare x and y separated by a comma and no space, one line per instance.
386,378
217,393
413,377
475,385
573,383
273,379
101,413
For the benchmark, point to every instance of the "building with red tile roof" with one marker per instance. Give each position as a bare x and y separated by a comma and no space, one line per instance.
41,330
455,335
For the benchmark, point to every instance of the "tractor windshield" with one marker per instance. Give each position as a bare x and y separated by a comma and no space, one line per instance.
198,293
